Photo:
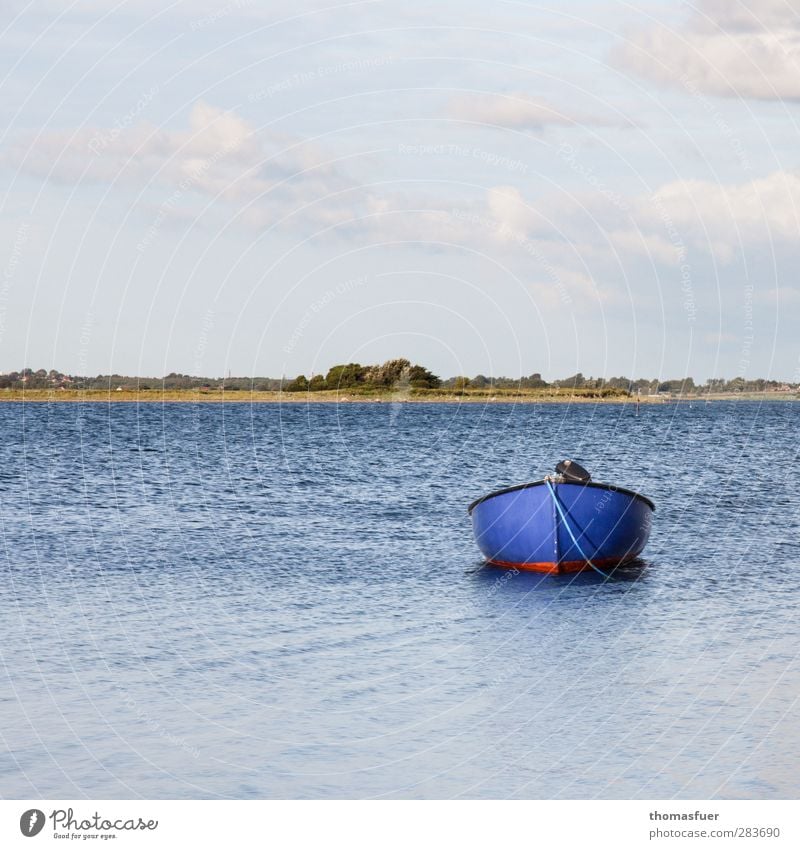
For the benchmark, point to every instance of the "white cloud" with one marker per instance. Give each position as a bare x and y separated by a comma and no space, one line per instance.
267,177
725,218
219,155
724,48
585,249
511,212
515,110
213,141
652,245
749,16
589,237
781,295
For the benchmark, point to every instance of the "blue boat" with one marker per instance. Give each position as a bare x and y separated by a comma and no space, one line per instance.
563,523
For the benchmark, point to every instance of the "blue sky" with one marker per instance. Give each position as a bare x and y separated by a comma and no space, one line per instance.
506,188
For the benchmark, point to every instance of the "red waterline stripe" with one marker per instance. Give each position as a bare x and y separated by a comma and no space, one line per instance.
550,568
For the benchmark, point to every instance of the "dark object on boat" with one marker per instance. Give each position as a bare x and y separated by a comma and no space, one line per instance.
563,523
572,472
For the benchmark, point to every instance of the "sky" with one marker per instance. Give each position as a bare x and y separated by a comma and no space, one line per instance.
270,188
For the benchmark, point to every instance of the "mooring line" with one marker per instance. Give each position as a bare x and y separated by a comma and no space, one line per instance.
561,513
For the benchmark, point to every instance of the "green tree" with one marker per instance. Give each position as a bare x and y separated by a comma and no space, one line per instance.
421,378
389,374
576,381
299,384
533,381
621,383
344,376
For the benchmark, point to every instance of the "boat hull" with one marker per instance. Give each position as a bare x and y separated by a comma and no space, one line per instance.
523,528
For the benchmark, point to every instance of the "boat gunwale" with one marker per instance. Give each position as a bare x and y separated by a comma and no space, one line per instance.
597,485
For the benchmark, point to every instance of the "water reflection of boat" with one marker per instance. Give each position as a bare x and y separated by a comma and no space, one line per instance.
563,523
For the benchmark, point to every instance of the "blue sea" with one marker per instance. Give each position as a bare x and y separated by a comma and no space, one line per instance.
286,601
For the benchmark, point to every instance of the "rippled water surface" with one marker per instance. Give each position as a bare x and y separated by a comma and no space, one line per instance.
286,601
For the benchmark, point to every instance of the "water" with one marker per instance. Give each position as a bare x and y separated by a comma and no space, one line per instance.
286,601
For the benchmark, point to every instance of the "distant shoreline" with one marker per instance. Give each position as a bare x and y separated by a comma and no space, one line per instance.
156,396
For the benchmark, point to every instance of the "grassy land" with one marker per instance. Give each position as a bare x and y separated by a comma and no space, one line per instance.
482,396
